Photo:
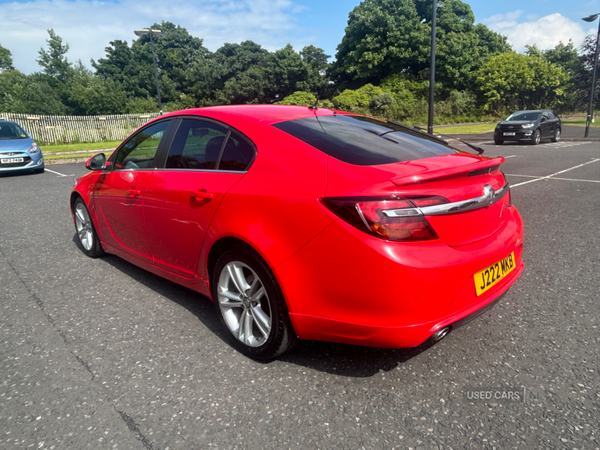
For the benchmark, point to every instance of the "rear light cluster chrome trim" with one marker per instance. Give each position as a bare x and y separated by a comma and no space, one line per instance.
488,199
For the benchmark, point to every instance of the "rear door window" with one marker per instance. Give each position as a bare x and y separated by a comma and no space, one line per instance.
364,141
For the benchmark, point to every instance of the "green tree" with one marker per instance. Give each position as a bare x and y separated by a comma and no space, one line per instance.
511,81
24,94
177,52
6,62
350,100
122,67
582,76
53,61
317,67
384,37
299,98
564,56
89,94
286,71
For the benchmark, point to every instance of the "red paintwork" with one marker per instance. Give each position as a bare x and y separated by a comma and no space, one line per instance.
340,284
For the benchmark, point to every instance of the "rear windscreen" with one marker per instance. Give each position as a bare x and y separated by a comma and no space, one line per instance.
364,141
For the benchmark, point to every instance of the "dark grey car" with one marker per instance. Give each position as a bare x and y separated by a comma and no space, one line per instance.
531,126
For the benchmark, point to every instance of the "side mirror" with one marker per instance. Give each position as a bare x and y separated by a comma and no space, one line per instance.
96,162
544,119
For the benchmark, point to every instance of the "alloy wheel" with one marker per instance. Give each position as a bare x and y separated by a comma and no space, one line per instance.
83,224
244,304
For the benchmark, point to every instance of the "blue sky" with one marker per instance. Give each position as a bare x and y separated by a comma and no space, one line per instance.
88,26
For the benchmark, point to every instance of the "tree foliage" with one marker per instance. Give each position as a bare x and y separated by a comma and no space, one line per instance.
511,81
386,37
6,62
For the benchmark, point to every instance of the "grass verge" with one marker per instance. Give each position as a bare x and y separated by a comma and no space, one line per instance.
68,156
580,122
79,146
466,129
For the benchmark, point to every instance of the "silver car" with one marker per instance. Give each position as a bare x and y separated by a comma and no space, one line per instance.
18,151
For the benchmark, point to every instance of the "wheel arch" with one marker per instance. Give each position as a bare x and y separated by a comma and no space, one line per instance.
224,244
74,196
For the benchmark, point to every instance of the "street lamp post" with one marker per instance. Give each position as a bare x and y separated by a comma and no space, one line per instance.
143,32
591,107
432,70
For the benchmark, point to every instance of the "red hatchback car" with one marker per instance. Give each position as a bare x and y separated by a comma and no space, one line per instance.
307,223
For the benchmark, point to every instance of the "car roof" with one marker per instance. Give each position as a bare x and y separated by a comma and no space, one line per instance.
263,113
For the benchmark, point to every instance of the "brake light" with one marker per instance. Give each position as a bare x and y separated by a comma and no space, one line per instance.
394,219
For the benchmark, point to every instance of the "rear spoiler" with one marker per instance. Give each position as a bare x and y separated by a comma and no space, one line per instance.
476,168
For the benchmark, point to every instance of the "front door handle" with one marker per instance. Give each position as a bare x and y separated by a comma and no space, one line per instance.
201,195
134,193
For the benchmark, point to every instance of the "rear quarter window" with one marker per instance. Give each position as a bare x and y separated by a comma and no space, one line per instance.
362,140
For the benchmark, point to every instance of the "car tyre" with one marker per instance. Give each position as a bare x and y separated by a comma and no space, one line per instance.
40,170
251,305
87,237
537,137
556,137
498,141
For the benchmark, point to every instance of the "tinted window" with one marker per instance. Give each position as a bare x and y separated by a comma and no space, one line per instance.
524,116
197,145
139,151
550,115
364,141
237,155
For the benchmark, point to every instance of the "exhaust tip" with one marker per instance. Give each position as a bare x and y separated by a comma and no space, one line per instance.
440,334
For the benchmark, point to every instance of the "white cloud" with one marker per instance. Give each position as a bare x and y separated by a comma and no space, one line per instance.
545,32
89,26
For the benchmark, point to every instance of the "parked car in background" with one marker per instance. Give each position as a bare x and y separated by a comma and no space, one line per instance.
531,126
307,223
18,151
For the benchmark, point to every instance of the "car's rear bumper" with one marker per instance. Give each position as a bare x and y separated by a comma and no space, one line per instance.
347,287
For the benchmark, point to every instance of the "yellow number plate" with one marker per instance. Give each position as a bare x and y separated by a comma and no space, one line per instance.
490,276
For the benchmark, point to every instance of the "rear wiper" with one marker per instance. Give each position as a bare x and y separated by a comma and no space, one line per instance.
435,138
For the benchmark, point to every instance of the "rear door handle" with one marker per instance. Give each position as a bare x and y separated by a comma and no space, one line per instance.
134,193
201,194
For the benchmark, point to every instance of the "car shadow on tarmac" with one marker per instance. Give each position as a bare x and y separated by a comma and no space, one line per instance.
333,358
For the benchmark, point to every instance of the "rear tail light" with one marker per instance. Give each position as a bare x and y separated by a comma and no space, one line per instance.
394,219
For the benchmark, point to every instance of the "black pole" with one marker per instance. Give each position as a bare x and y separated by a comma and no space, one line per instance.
155,73
591,107
432,70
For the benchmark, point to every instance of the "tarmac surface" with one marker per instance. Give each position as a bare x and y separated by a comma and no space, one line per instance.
98,354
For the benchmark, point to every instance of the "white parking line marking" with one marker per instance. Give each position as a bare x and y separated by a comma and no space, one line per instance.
554,178
57,173
513,156
557,173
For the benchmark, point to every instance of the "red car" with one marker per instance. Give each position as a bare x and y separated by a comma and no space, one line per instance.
307,223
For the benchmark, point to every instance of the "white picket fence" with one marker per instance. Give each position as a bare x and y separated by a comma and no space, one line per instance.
68,129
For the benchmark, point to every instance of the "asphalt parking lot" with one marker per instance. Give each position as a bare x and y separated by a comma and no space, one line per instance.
96,353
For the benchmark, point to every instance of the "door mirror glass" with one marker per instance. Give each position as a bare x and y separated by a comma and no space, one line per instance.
96,162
